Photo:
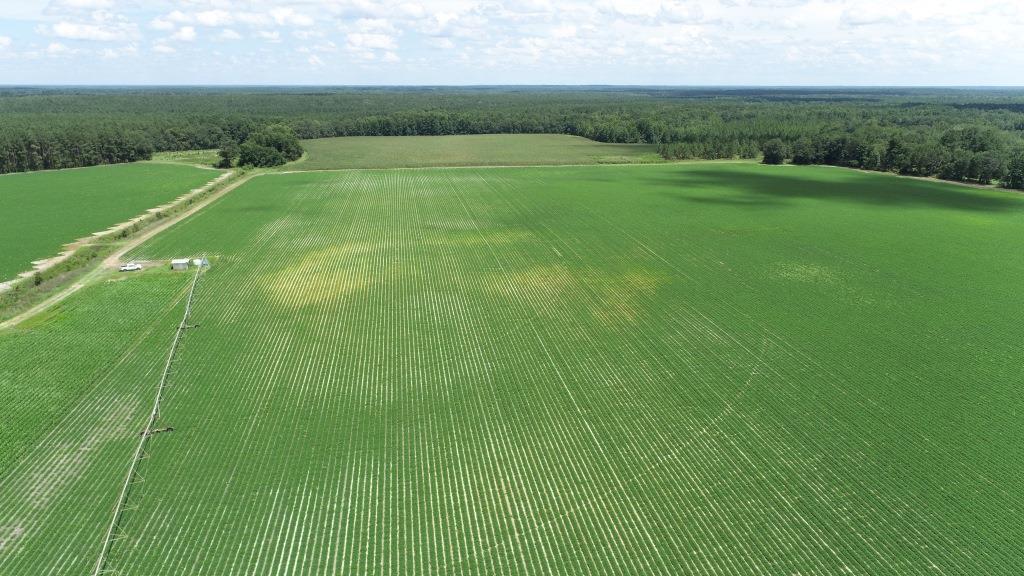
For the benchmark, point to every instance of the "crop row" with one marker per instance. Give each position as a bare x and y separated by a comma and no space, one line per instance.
710,369
75,383
522,371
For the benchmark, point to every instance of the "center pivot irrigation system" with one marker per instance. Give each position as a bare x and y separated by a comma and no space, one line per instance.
147,432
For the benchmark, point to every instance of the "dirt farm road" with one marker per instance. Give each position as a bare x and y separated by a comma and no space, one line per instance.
113,261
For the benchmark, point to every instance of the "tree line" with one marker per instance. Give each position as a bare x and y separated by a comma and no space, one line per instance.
271,145
963,153
964,135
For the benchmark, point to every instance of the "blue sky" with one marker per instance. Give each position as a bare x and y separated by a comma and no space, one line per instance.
676,42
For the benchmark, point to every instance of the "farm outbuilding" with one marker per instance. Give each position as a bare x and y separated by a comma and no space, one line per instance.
179,264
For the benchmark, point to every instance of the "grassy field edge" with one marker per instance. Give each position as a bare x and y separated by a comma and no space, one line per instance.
28,295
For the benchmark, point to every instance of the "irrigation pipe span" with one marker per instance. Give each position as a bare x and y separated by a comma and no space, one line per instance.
153,415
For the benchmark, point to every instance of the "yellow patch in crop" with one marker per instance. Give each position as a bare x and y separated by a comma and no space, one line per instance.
540,281
610,297
622,300
320,277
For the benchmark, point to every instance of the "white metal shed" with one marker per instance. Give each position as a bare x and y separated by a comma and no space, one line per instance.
179,264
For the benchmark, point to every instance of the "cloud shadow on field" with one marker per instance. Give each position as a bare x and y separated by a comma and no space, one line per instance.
743,201
772,186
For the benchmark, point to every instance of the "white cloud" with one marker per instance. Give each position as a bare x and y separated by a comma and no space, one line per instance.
289,17
380,25
254,19
96,32
315,60
81,4
185,34
628,41
853,17
56,48
5,42
270,36
776,3
112,53
631,8
410,10
681,12
442,43
566,31
180,17
214,18
322,47
306,34
161,24
371,41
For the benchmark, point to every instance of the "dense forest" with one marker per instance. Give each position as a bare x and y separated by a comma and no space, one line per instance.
963,135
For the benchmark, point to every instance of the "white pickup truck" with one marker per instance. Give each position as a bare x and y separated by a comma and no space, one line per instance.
130,267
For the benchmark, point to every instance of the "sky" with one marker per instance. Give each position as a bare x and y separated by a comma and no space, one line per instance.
469,42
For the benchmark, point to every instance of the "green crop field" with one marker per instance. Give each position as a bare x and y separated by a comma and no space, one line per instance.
42,211
474,150
77,383
684,368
